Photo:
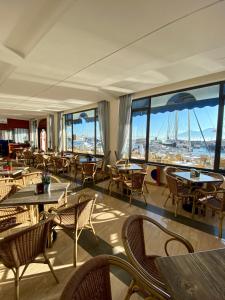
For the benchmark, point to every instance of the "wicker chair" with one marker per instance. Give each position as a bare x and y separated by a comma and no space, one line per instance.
92,280
101,166
88,172
144,171
215,185
11,216
40,161
76,218
178,191
115,177
77,167
32,178
168,171
22,248
214,200
134,244
61,165
28,157
136,185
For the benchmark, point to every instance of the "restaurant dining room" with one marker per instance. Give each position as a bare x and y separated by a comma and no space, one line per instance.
112,150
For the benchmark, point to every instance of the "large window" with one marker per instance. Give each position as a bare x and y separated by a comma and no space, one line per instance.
82,132
178,128
68,132
222,152
18,135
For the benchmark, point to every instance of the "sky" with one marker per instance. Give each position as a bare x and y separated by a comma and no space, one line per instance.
84,129
159,122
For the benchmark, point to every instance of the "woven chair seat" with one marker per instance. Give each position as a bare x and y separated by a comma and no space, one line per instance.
11,211
8,223
212,202
76,218
65,220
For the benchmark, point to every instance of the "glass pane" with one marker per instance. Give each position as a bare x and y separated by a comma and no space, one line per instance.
84,132
222,153
99,149
69,116
142,103
68,136
183,127
21,135
138,141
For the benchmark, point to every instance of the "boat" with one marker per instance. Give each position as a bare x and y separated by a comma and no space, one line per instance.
169,143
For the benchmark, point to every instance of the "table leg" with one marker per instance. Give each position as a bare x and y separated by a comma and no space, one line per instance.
34,214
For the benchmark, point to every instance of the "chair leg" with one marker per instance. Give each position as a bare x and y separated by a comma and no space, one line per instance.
221,225
109,185
193,209
145,199
176,207
93,230
132,289
75,249
130,197
50,267
166,200
24,269
146,187
17,287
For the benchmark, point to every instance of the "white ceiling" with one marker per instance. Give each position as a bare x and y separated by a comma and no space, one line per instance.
62,54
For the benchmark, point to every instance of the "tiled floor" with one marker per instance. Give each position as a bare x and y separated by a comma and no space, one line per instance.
108,218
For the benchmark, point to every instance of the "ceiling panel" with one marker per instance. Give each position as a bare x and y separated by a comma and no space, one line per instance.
60,54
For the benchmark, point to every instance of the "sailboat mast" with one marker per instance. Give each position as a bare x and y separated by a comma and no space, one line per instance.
189,128
168,126
176,125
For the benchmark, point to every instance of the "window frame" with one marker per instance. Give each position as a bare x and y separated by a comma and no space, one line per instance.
95,130
219,132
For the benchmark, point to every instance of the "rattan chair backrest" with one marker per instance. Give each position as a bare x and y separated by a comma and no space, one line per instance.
134,244
137,180
24,246
92,280
78,214
89,168
32,178
169,170
172,184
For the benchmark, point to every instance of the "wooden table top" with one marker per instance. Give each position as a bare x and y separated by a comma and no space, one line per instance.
83,160
203,178
129,167
26,196
195,276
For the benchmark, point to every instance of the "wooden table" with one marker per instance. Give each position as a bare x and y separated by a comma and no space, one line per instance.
195,276
27,197
203,178
83,160
129,167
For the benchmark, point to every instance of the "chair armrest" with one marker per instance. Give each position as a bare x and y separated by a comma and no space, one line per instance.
181,240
